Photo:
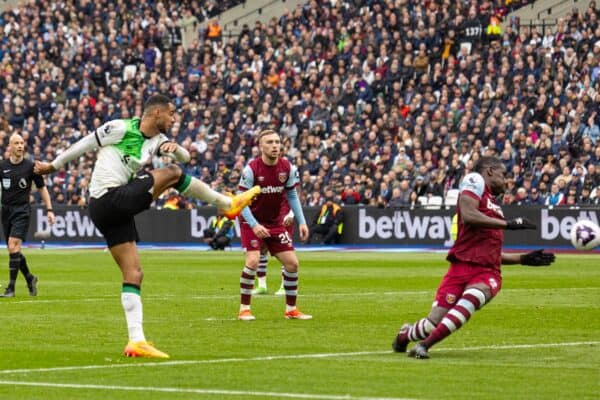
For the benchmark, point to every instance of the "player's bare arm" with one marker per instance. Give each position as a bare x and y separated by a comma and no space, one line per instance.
469,211
43,168
174,150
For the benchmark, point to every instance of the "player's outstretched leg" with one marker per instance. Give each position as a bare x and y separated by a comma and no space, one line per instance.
241,201
471,300
195,188
412,333
261,276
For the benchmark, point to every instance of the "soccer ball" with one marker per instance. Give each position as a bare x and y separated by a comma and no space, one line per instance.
585,235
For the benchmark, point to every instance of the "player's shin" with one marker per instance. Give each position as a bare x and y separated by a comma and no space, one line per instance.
472,299
14,262
132,305
24,268
412,333
261,274
418,331
246,286
290,284
195,188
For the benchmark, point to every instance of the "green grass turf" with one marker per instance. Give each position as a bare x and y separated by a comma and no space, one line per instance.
545,324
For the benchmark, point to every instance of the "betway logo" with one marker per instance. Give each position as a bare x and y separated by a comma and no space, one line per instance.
552,227
271,189
403,225
71,225
198,224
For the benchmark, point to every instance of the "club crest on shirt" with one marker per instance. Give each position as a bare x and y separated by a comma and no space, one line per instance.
282,177
254,243
22,183
450,298
494,207
6,183
261,178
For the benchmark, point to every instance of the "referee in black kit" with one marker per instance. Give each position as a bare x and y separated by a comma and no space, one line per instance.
16,175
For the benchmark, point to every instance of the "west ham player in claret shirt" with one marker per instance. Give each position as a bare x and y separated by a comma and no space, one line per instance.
474,277
262,222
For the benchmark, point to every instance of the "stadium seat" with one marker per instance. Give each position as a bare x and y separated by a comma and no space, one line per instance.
422,200
451,198
435,203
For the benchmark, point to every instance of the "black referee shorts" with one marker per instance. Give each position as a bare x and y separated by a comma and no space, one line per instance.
113,213
15,221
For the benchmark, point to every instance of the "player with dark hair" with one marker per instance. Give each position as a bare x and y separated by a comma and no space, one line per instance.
117,195
262,224
474,277
17,175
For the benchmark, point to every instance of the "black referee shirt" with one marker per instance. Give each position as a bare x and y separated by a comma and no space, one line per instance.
16,182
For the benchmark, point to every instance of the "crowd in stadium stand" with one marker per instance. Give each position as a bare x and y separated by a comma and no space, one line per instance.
387,102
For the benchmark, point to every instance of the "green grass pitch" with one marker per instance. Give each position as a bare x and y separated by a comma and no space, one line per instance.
539,339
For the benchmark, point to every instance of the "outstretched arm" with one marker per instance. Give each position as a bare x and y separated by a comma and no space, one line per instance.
537,258
109,133
469,211
84,145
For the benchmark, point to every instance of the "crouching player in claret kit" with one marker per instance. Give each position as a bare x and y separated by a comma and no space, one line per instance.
474,277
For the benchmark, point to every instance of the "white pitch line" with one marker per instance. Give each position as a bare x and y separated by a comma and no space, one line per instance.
199,391
236,295
219,297
287,357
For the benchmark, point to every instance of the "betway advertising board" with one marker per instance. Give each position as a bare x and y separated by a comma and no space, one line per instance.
362,226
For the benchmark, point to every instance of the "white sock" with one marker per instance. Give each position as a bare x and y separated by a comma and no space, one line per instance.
289,308
201,191
244,307
262,282
132,305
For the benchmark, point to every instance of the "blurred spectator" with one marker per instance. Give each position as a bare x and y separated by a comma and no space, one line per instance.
329,223
555,197
399,91
220,232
